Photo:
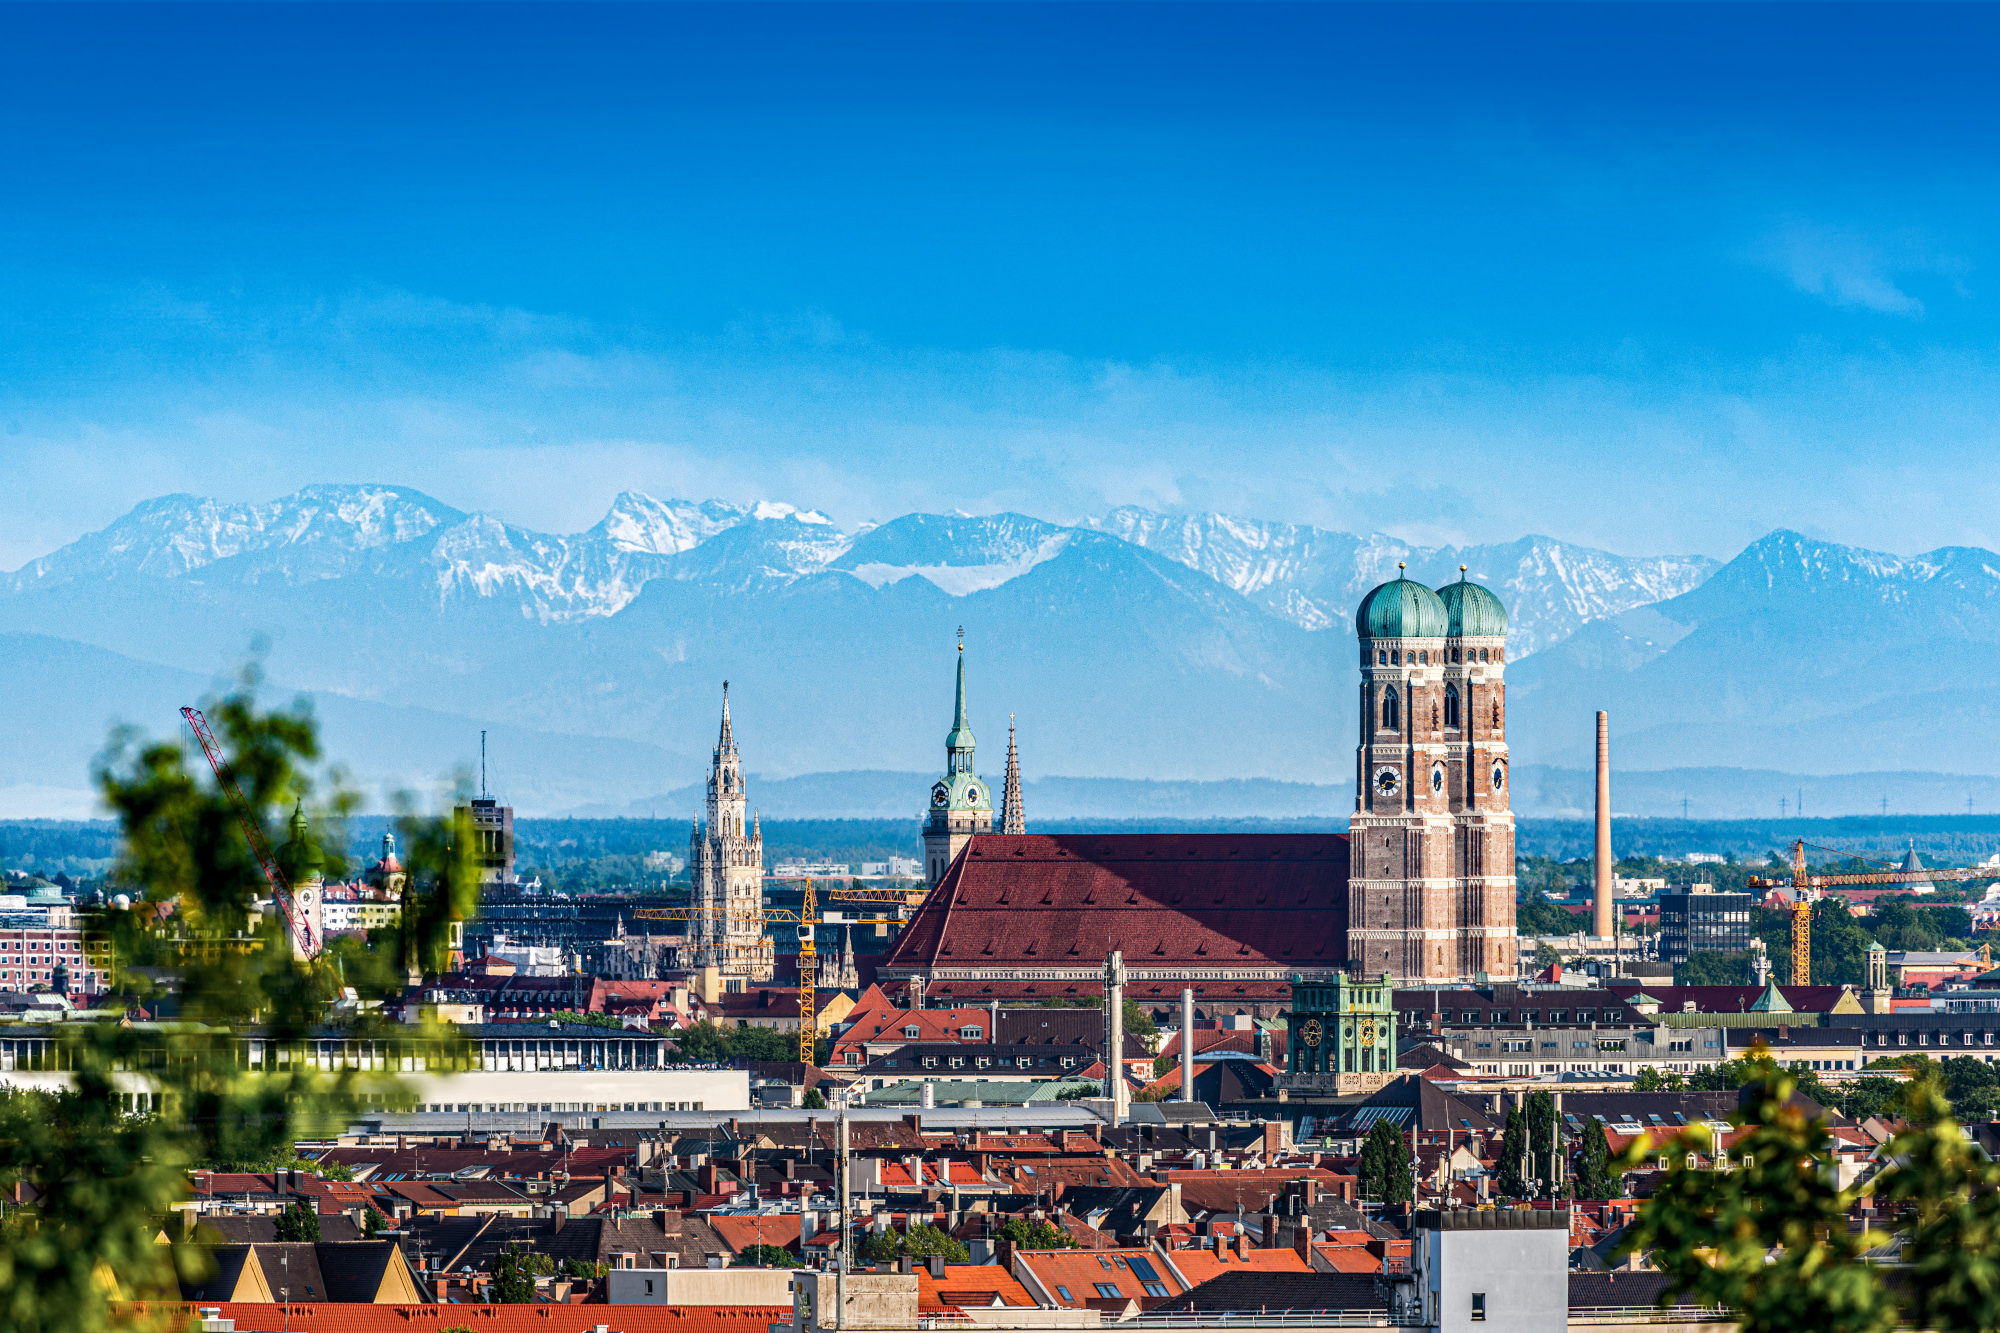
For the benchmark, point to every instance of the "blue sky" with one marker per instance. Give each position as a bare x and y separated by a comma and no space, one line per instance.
1655,279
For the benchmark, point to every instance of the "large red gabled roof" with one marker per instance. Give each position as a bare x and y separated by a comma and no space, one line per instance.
1196,900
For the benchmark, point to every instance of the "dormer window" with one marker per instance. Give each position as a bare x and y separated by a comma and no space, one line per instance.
913,1031
972,1032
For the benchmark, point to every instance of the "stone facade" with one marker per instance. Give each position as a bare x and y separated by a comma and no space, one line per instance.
726,864
1431,886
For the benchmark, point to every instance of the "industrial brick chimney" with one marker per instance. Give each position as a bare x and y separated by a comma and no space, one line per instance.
1601,900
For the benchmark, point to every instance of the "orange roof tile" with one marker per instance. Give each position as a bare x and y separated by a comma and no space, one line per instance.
1198,1266
779,1229
969,1285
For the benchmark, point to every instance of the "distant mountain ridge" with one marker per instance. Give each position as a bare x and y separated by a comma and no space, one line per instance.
1184,649
1798,654
1315,577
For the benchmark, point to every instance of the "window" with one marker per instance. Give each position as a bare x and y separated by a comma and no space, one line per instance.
1478,1307
1063,1292
1390,714
1451,705
1108,1291
913,1031
1482,657
1423,659
1381,657
972,1032
1155,1288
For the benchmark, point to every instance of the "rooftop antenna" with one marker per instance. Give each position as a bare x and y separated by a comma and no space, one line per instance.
482,765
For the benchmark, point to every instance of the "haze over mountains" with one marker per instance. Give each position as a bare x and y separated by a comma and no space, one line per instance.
1185,648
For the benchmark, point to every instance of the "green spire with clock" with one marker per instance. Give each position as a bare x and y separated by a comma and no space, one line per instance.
961,799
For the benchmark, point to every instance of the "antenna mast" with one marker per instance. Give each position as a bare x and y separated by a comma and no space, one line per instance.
482,765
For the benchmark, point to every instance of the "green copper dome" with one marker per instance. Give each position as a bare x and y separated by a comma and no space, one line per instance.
300,857
1472,611
1402,609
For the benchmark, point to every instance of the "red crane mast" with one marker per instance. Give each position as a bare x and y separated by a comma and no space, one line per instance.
304,941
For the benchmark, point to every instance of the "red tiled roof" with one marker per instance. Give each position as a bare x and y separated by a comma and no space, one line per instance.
739,1233
969,1285
1164,899
1198,1266
1081,1272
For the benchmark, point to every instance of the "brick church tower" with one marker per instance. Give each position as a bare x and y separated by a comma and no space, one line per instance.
1431,884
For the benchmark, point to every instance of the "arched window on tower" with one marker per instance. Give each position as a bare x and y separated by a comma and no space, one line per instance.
1451,705
1381,657
1391,715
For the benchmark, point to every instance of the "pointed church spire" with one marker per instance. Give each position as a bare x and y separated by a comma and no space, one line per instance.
1012,818
958,742
726,743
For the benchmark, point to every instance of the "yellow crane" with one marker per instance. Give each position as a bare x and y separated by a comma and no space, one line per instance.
805,920
1807,885
885,897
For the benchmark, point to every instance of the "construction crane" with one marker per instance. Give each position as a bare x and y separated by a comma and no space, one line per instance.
888,897
1807,886
305,940
805,920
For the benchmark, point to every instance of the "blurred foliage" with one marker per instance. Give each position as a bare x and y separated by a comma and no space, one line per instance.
1769,1239
1773,1238
100,1172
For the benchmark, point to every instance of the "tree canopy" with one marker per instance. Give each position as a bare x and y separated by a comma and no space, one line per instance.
1385,1164
103,1176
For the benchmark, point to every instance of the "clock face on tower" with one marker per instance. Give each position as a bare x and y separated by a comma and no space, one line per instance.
1437,779
1386,782
1499,777
940,794
1311,1033
972,793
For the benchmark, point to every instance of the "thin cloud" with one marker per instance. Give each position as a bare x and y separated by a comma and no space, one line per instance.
1852,270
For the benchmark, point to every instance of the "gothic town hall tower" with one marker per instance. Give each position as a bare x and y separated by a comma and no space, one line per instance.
1431,841
726,868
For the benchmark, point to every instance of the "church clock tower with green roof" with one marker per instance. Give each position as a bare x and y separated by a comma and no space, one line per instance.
960,804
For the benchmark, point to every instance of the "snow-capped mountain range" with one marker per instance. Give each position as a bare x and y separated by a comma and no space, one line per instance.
1137,645
1315,577
1309,576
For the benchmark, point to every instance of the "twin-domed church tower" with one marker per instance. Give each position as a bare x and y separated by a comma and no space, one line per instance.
1431,841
